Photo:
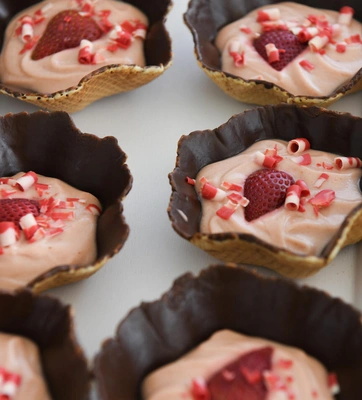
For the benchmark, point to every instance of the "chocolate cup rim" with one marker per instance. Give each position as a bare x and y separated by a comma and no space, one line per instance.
164,62
218,136
22,124
49,323
188,19
220,297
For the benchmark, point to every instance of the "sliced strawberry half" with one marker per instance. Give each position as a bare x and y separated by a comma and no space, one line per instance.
11,210
65,31
266,191
243,378
283,40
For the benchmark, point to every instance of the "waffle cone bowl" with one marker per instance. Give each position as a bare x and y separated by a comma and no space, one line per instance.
49,324
108,80
51,145
285,122
225,298
205,18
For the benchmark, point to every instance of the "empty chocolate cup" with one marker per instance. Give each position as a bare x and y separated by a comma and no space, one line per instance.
104,81
206,17
50,144
157,333
49,324
328,131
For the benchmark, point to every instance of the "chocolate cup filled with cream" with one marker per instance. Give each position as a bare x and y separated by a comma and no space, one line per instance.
326,131
106,80
50,144
49,325
205,19
225,298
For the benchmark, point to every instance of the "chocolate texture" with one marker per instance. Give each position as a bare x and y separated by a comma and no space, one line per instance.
49,324
50,144
155,334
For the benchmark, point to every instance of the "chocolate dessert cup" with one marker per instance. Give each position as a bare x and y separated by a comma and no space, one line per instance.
50,144
49,324
206,17
108,80
326,130
155,334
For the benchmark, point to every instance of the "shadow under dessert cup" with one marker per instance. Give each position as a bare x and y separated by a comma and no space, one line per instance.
206,18
101,81
47,324
327,131
49,144
158,333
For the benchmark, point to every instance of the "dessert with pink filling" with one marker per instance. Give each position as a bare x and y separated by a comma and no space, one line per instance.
230,365
21,376
44,223
283,193
54,44
303,50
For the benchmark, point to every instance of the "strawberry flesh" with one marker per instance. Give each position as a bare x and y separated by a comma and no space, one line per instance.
65,31
266,191
283,40
243,378
11,210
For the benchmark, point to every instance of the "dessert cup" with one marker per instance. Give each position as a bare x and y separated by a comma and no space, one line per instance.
108,80
205,18
49,324
326,130
50,144
155,334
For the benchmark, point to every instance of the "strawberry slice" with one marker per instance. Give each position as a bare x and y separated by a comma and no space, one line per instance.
283,40
65,31
266,191
11,210
243,378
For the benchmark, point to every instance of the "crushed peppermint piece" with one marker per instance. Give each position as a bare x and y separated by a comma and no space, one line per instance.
307,65
321,179
322,199
298,145
304,159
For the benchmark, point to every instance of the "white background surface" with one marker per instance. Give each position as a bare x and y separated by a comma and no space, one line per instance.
148,123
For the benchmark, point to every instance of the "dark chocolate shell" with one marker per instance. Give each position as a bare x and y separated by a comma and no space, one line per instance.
49,323
206,17
108,80
49,144
155,334
326,130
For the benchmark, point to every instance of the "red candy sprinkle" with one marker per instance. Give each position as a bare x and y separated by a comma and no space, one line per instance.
266,190
282,39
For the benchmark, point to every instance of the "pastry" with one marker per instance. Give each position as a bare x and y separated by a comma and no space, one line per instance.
318,73
231,298
326,131
56,148
107,50
39,350
295,199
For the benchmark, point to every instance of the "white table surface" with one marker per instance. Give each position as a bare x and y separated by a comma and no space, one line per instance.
148,123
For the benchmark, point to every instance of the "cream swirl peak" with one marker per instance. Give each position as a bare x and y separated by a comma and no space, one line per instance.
54,44
303,50
230,365
282,193
44,223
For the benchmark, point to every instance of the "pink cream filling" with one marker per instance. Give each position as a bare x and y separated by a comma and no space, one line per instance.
293,374
122,43
312,213
64,232
326,64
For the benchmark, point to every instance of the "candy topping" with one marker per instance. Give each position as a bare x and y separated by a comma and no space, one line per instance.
322,199
9,384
